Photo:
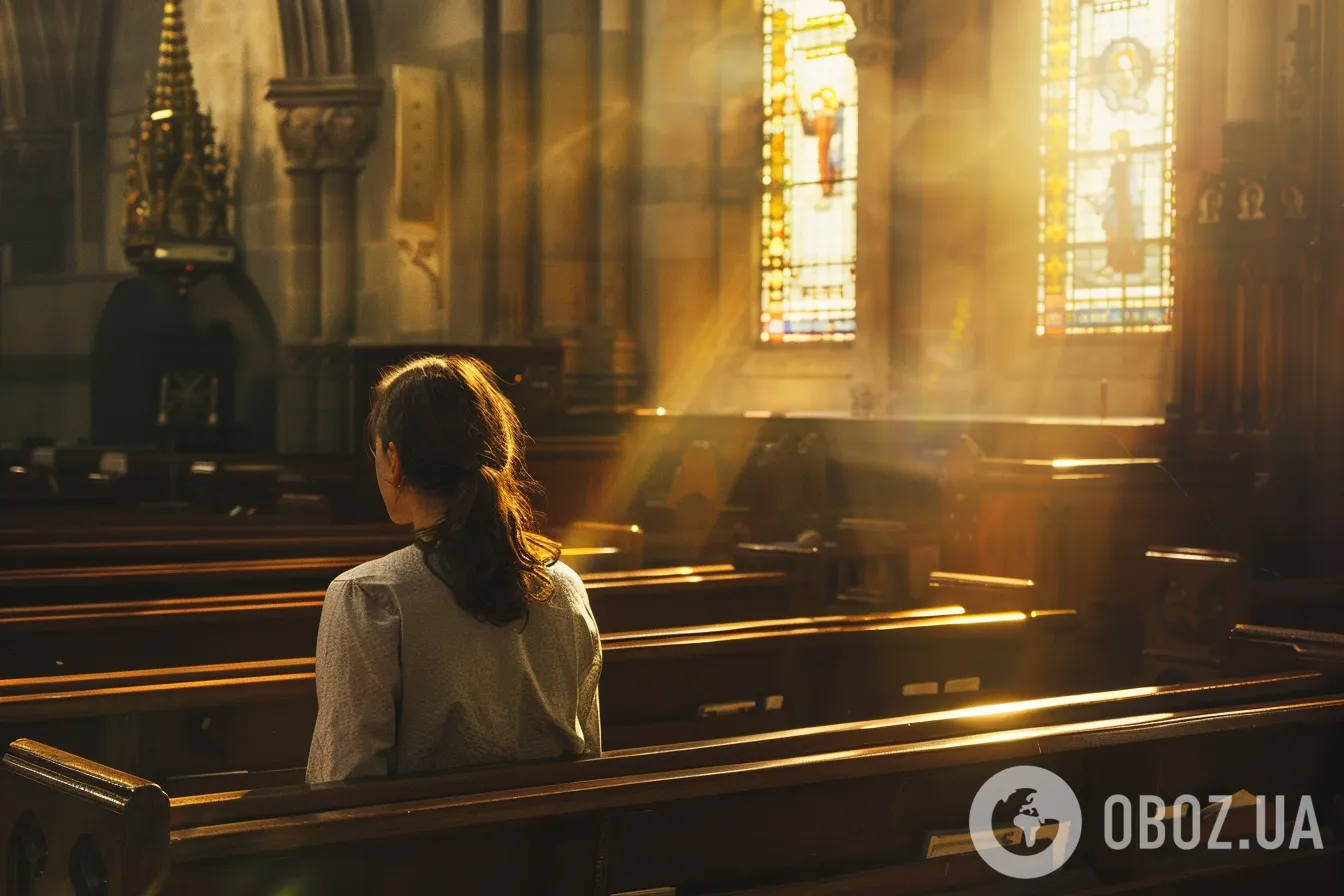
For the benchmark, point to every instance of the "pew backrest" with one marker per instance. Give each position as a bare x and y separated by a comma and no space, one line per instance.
165,580
658,687
696,827
64,639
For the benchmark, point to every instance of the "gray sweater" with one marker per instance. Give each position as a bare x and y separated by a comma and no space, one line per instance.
408,681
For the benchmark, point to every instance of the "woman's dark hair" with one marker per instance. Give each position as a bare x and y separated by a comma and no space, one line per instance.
458,438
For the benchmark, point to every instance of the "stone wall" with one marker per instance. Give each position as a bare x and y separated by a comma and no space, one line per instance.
598,186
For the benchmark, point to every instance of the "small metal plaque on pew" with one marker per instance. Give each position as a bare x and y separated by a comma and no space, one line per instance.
113,464
951,686
736,707
43,458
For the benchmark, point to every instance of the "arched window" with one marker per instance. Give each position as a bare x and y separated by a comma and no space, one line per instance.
810,161
1107,211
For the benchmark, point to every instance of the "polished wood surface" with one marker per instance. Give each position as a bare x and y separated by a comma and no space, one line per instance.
134,634
741,815
657,687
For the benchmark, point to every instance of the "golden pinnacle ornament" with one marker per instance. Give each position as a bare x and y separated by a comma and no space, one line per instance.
177,208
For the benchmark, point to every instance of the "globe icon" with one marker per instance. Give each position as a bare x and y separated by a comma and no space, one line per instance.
1010,816
1019,810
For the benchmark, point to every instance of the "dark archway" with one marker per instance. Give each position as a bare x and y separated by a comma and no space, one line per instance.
198,371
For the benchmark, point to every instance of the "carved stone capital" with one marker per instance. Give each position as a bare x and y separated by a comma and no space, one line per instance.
869,15
872,50
326,124
875,43
300,135
347,133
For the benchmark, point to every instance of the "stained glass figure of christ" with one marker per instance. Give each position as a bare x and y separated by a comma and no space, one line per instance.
809,165
1108,111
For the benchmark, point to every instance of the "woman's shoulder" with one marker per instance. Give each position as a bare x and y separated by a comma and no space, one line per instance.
390,569
381,580
569,601
567,582
570,593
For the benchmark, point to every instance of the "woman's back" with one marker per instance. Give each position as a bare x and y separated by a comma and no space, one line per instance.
409,681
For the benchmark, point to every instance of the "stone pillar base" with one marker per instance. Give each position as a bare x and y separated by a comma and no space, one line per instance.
315,403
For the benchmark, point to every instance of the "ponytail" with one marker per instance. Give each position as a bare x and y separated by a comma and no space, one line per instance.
486,548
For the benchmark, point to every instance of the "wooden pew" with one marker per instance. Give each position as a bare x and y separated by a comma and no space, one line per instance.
118,548
1251,648
657,687
824,811
1248,650
1078,526
202,578
57,485
980,594
86,638
883,563
38,549
1191,597
151,527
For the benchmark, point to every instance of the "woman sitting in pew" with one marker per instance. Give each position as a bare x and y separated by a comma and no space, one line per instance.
474,645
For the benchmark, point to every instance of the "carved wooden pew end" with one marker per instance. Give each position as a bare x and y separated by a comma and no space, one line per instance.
62,816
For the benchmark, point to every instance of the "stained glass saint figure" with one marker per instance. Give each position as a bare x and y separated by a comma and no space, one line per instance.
1107,190
1122,212
825,120
809,223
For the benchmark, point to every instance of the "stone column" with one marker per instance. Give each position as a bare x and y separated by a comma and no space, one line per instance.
607,371
681,332
515,175
326,126
340,270
36,215
877,318
567,161
300,132
1253,40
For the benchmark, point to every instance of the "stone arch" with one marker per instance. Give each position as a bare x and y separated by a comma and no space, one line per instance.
230,300
325,38
54,59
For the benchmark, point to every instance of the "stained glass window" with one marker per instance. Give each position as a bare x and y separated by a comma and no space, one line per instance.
810,156
1108,110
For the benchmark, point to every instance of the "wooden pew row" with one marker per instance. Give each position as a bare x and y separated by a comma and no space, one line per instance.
33,550
1189,597
55,485
657,687
1250,649
116,549
87,638
148,527
219,806
843,809
191,579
